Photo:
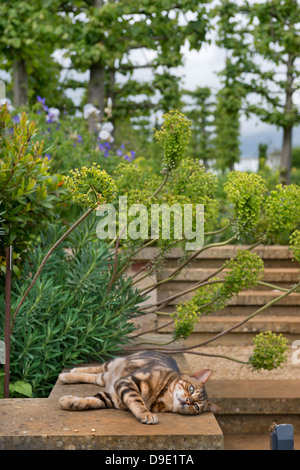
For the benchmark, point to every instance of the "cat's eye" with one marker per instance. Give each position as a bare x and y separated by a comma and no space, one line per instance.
196,407
191,389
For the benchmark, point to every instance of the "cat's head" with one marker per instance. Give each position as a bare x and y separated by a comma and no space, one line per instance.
190,395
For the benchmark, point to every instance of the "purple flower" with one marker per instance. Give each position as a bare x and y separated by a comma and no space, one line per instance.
48,156
46,108
119,152
41,100
122,146
16,119
106,153
107,145
49,120
127,157
101,146
79,139
133,154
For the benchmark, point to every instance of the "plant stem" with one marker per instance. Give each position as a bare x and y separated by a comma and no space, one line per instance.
217,232
7,328
218,355
237,325
154,329
212,245
160,187
81,219
272,286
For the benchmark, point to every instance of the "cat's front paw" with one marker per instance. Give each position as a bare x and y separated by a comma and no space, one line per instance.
148,418
65,378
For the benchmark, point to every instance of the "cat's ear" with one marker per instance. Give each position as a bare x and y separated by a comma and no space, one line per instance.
212,407
203,375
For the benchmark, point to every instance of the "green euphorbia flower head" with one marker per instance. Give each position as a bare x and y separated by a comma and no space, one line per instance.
269,351
174,136
91,187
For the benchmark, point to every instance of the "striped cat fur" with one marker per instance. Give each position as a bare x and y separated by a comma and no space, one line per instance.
145,383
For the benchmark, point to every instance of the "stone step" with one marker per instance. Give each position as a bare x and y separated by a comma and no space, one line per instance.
277,252
40,424
250,406
253,441
273,256
209,326
233,310
244,298
272,275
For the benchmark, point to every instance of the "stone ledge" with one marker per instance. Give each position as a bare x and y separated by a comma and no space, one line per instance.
255,396
40,424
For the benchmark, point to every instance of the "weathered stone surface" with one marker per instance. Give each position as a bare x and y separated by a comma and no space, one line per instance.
250,406
41,424
255,396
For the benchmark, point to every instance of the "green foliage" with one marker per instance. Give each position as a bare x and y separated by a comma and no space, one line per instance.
296,157
269,351
246,191
91,187
187,184
69,145
18,389
29,193
200,113
69,316
295,244
199,186
174,137
244,271
226,143
282,211
264,33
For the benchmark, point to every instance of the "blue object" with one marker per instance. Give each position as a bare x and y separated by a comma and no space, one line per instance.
282,437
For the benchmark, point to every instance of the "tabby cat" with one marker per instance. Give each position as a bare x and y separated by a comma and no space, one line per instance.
144,383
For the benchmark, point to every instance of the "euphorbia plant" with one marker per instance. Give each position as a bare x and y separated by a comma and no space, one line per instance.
254,214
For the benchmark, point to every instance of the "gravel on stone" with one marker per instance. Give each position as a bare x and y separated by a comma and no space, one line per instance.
226,369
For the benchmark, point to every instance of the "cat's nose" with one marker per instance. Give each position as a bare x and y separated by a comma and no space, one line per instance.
189,401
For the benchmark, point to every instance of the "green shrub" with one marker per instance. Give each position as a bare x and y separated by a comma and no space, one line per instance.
29,192
70,315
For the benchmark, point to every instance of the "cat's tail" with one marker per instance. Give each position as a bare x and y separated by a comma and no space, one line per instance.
100,400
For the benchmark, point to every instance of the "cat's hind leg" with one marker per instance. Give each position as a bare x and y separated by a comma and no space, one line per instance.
100,400
81,377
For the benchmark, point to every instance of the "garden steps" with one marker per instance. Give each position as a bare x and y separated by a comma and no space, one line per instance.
244,298
279,269
209,326
281,276
252,442
249,407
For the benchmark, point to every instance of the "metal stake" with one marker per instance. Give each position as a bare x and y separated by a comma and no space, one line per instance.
7,319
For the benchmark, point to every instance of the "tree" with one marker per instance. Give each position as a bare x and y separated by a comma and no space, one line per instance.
29,33
263,41
200,112
226,143
104,35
